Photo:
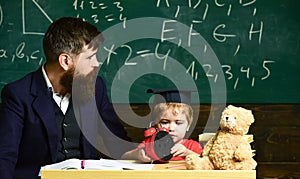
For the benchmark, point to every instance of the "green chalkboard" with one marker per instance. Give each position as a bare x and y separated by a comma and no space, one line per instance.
245,51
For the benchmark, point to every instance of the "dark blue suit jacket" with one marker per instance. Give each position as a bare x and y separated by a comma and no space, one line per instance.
28,131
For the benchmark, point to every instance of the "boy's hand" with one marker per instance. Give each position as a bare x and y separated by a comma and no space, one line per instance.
179,150
141,155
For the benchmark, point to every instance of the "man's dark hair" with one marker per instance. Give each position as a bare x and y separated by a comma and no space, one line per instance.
69,35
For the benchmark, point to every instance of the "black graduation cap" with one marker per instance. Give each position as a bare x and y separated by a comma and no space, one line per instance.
171,95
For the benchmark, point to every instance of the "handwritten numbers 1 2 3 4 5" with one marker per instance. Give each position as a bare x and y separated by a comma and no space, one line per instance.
229,73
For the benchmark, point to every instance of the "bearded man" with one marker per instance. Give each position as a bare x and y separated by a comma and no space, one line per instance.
59,111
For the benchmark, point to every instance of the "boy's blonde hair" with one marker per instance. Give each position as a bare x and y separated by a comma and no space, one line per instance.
176,108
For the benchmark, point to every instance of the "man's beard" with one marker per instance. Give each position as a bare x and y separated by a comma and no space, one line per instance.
82,87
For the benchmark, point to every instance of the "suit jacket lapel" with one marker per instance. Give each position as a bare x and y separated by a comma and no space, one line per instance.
43,106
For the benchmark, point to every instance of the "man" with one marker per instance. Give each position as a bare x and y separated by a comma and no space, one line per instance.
46,118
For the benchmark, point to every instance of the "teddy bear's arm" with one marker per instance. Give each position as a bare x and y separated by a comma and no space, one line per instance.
243,152
208,146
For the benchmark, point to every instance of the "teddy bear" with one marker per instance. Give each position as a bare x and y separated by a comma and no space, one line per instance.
229,148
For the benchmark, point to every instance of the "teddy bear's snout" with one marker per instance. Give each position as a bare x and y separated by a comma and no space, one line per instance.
227,118
228,121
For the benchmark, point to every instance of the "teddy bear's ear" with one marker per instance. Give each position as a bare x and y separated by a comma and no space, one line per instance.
250,116
230,107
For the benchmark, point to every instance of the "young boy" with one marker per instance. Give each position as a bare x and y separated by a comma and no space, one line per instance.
173,112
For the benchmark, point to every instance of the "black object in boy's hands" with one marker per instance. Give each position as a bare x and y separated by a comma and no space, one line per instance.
158,144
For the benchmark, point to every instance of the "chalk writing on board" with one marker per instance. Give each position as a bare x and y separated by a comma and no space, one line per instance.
100,11
230,73
19,53
24,21
220,32
1,15
194,4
